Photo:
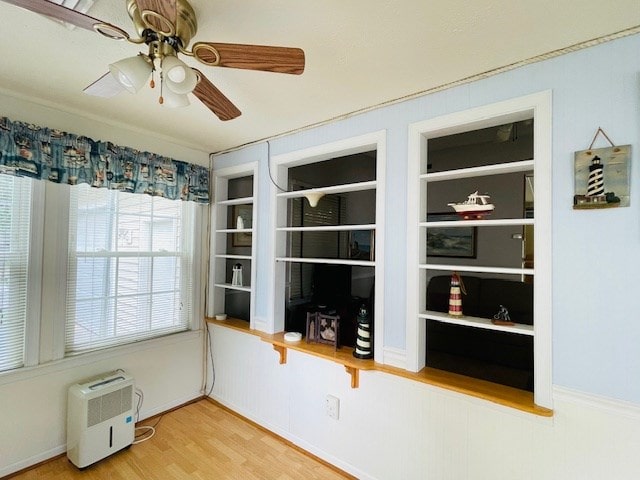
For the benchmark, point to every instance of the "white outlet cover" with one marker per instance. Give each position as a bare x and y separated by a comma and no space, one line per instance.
333,407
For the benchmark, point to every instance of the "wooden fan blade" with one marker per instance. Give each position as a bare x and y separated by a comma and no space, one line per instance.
59,12
250,57
158,13
214,99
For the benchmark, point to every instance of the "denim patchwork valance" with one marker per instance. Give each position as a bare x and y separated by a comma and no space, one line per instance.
48,154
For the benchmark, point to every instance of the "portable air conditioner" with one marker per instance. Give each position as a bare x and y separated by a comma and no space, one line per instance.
100,417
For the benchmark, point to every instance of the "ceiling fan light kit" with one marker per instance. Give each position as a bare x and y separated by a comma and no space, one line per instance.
167,27
178,76
174,100
132,72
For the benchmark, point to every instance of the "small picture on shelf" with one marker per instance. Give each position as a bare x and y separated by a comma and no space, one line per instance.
312,321
242,215
457,242
361,245
327,329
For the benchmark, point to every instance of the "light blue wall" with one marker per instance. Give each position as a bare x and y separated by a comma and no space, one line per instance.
596,254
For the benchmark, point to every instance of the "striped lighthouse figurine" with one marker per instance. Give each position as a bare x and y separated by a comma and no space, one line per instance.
364,337
455,295
595,186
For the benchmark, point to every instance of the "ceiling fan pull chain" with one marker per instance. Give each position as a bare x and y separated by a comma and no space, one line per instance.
161,100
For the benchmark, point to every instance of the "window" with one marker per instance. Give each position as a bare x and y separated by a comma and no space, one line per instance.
129,268
15,214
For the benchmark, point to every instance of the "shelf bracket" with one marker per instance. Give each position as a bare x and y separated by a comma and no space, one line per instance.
352,368
283,353
355,375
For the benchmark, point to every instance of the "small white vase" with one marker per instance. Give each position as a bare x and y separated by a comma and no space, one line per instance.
236,277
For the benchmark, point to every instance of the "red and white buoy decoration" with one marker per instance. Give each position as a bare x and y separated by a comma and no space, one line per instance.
455,295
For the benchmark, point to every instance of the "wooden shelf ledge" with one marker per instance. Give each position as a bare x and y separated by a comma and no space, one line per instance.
343,356
234,324
492,392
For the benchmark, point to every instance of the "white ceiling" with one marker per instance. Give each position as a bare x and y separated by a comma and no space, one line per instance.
359,53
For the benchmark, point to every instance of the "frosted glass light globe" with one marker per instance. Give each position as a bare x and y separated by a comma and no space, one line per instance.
177,74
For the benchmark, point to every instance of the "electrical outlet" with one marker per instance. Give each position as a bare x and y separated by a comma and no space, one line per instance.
333,407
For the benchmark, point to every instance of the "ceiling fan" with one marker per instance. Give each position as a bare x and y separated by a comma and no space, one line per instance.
166,27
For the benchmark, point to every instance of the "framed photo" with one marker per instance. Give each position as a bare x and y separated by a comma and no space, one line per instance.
327,329
245,212
459,242
312,321
361,245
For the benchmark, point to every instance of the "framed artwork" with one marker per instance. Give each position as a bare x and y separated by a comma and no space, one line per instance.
602,177
312,321
459,242
245,212
361,245
327,329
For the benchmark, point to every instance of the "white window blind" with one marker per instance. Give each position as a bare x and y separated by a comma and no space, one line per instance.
130,270
15,220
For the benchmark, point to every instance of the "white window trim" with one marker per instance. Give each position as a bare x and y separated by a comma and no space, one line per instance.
538,105
54,266
44,336
279,169
45,330
34,287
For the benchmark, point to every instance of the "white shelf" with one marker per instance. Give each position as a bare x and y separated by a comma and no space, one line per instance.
236,201
496,169
477,322
348,187
328,228
234,257
479,269
479,223
228,286
330,261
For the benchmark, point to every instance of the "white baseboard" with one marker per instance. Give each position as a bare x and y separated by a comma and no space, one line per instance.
296,441
260,324
33,460
147,413
394,357
60,449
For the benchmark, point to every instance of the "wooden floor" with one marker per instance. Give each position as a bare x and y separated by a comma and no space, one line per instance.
198,441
